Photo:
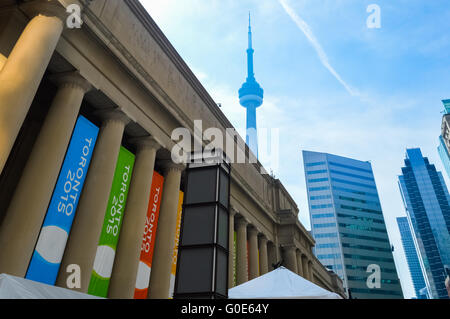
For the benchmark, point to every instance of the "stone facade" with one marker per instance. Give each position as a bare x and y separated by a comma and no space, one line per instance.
123,74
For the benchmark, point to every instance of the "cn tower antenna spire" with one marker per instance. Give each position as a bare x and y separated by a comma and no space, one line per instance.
250,50
251,95
249,23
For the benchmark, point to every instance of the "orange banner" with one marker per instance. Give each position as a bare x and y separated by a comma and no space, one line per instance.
148,240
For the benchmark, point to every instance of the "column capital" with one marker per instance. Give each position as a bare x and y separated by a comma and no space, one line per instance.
113,114
73,79
169,165
49,8
240,221
234,211
262,239
145,142
252,231
289,248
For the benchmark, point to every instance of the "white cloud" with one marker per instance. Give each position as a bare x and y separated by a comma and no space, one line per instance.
304,27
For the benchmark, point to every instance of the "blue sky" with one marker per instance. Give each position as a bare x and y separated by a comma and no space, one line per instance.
389,98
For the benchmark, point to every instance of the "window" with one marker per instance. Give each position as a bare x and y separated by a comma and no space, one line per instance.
320,197
322,215
324,225
354,246
371,258
364,279
361,227
376,291
359,209
316,189
329,256
338,180
326,235
364,219
317,180
314,164
350,167
385,270
330,245
348,190
345,235
316,172
352,175
356,200
321,206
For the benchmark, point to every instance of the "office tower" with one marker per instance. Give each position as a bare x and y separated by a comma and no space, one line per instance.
444,138
348,225
426,201
251,97
411,257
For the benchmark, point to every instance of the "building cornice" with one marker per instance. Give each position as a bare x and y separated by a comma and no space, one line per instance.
141,13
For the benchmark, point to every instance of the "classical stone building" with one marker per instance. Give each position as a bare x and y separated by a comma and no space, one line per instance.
120,73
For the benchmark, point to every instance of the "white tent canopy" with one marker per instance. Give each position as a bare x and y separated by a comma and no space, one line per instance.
280,283
19,288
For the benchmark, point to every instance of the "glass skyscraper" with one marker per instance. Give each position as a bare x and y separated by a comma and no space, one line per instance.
348,225
444,139
426,201
411,257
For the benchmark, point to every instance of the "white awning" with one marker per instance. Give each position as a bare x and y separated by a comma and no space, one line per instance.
19,288
280,283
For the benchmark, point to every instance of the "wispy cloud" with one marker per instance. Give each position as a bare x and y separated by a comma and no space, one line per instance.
304,27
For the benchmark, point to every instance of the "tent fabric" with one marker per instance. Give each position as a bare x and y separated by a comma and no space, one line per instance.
280,283
12,287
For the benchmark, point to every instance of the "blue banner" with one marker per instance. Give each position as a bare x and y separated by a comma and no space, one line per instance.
46,260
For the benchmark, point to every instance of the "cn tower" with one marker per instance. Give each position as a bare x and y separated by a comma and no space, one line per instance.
251,96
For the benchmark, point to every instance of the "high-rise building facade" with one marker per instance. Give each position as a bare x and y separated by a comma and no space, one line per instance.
426,201
411,257
444,138
348,225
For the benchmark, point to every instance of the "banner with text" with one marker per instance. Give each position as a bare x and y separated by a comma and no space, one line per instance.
175,248
46,259
148,240
106,250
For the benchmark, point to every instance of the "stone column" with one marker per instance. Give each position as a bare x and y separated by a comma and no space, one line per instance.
2,61
241,251
263,260
305,267
165,236
299,263
26,212
23,70
253,253
271,255
290,258
126,263
231,255
87,226
310,272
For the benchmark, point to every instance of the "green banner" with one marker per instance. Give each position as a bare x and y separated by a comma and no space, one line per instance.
106,250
